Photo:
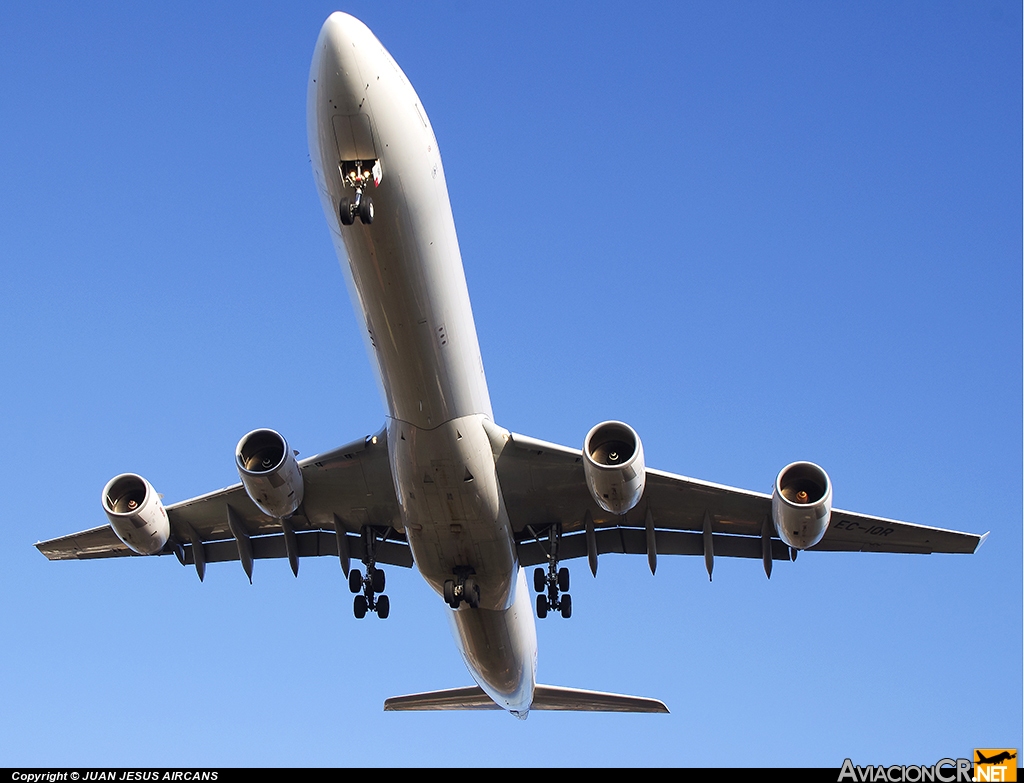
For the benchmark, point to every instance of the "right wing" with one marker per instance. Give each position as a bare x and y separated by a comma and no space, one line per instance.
346,491
544,488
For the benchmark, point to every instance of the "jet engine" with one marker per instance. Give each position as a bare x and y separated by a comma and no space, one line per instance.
613,462
802,504
136,513
269,472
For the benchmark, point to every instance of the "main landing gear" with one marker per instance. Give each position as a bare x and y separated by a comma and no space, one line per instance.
367,587
358,175
553,588
553,584
462,588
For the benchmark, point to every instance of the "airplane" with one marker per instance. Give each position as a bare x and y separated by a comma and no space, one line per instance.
999,758
442,486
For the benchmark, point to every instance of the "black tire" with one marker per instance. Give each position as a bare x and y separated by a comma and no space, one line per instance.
563,579
378,581
449,594
366,210
542,606
383,607
471,592
345,212
359,607
355,581
566,606
539,580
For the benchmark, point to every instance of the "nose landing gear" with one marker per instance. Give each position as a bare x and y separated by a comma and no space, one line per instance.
357,175
361,206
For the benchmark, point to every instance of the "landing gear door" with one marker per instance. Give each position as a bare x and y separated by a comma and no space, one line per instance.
354,137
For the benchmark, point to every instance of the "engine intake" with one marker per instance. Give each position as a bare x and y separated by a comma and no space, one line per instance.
269,473
613,463
136,513
802,504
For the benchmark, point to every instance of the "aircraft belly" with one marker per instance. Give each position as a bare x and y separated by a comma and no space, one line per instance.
500,648
404,270
454,514
405,276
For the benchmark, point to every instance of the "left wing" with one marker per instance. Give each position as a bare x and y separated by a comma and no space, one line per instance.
544,487
347,491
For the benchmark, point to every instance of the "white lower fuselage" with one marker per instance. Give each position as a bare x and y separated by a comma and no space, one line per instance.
406,278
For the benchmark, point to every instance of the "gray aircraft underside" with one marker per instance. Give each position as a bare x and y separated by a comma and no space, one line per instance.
442,485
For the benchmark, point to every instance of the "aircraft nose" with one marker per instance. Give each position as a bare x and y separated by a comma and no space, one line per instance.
339,46
342,29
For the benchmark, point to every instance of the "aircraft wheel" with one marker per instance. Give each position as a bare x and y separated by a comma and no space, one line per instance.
378,581
539,580
449,594
345,212
563,579
383,607
566,606
355,581
542,606
359,607
471,592
366,210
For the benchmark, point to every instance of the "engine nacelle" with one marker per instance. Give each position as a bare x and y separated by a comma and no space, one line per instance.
136,513
269,472
802,504
613,462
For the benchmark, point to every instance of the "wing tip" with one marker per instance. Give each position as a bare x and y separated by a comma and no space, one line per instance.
981,540
47,550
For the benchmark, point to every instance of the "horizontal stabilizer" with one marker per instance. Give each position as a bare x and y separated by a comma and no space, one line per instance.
545,697
472,698
555,697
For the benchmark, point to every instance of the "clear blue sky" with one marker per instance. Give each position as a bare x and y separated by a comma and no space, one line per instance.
758,232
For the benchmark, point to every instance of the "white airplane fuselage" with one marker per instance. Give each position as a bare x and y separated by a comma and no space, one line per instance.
406,278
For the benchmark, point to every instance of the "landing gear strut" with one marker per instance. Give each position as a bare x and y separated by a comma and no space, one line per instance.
553,584
462,588
367,587
357,175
